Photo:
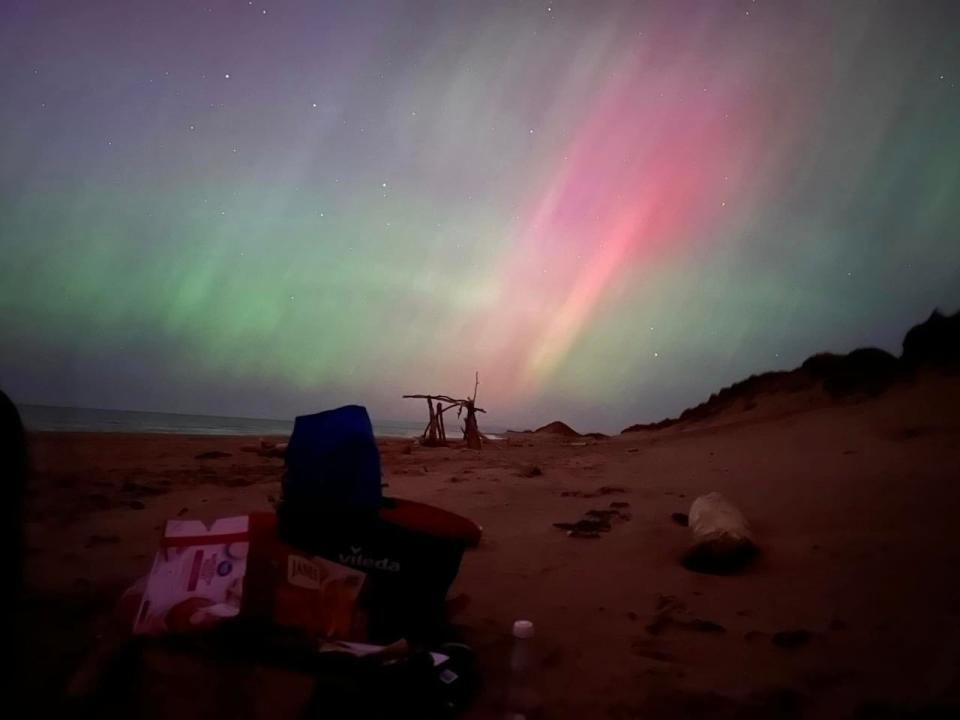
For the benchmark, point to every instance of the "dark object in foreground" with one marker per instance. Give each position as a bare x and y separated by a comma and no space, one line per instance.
13,470
681,519
406,686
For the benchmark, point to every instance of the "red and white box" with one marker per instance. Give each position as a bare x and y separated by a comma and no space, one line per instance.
204,574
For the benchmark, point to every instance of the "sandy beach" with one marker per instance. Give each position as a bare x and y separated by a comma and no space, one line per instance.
854,505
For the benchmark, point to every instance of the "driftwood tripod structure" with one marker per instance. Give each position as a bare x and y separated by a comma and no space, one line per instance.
436,434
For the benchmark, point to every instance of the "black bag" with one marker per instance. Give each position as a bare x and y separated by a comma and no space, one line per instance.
350,687
409,686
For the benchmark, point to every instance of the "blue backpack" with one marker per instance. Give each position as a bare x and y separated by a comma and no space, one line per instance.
333,463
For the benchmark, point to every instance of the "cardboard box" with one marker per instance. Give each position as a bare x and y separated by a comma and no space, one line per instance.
205,574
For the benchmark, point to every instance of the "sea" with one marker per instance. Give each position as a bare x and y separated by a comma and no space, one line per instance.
66,419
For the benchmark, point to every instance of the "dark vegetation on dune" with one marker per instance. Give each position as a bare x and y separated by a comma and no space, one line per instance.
933,344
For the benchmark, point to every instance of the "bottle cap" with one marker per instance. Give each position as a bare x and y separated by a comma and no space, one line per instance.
523,629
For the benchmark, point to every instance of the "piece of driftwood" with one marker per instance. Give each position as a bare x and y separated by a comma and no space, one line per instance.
433,436
443,430
471,432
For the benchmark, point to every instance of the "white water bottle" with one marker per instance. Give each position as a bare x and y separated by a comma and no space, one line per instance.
523,701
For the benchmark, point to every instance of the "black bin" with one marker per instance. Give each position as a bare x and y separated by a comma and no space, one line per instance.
332,507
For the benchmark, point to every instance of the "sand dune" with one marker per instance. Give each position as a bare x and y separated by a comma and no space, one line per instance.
828,378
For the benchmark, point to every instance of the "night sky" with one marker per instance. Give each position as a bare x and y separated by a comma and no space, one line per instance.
608,209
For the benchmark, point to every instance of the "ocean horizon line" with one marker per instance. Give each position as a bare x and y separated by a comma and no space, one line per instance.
65,418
